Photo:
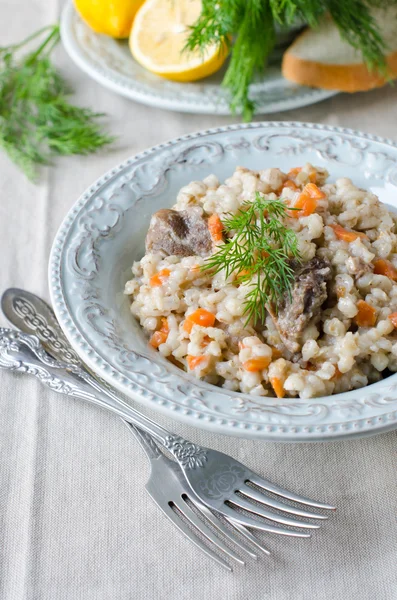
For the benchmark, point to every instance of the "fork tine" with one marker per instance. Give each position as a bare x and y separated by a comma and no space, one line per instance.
221,527
247,534
260,497
267,514
279,491
177,521
206,531
228,511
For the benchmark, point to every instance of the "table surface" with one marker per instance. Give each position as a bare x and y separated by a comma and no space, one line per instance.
75,519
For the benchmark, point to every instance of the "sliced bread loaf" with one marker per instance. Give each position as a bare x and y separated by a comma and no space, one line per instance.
320,58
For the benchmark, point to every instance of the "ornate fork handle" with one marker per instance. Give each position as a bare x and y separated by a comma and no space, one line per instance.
24,353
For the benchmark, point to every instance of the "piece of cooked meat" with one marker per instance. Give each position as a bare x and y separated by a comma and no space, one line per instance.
181,233
309,291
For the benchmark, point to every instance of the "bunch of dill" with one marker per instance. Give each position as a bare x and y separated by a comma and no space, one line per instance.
248,26
36,120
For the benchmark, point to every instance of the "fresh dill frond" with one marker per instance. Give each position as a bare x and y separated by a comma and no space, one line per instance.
36,120
248,26
258,250
215,23
254,42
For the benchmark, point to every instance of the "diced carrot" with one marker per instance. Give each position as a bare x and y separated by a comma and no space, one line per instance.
276,353
290,185
257,364
313,176
160,336
306,201
305,204
340,291
366,316
195,361
313,191
215,227
160,277
278,387
385,267
199,317
294,172
347,236
393,319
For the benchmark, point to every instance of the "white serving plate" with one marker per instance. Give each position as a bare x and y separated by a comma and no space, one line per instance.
110,63
104,233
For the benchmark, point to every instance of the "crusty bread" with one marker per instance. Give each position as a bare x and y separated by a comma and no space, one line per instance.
320,58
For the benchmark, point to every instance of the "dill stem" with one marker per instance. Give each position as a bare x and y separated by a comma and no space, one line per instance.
29,38
54,37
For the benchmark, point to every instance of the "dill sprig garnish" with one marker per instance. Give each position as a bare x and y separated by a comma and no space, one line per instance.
36,120
248,27
258,250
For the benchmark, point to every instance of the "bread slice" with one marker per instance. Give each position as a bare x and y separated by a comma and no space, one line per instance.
320,58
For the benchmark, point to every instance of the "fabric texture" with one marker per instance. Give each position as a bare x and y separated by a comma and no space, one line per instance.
75,519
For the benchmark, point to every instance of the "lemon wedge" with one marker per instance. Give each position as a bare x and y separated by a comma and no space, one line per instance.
159,34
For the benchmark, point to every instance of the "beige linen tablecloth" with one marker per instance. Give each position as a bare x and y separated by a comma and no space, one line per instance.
75,520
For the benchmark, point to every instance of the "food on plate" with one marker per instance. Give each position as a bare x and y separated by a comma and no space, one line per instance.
159,35
111,18
320,58
272,284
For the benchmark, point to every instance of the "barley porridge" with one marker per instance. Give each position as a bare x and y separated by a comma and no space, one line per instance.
334,326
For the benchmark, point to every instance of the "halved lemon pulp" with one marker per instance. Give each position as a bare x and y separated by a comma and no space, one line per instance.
159,35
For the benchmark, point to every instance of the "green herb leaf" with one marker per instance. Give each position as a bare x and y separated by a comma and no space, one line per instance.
36,120
259,250
254,42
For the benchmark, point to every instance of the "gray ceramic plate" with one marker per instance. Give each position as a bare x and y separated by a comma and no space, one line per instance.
104,233
109,62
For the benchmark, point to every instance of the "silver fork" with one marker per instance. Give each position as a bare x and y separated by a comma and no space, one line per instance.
219,481
168,488
166,484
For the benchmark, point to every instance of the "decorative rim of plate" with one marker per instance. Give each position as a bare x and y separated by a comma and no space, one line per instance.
379,393
172,99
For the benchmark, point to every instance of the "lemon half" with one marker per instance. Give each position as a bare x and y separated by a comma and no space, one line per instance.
111,17
159,35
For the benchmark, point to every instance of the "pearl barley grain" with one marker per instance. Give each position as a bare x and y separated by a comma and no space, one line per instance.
379,361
